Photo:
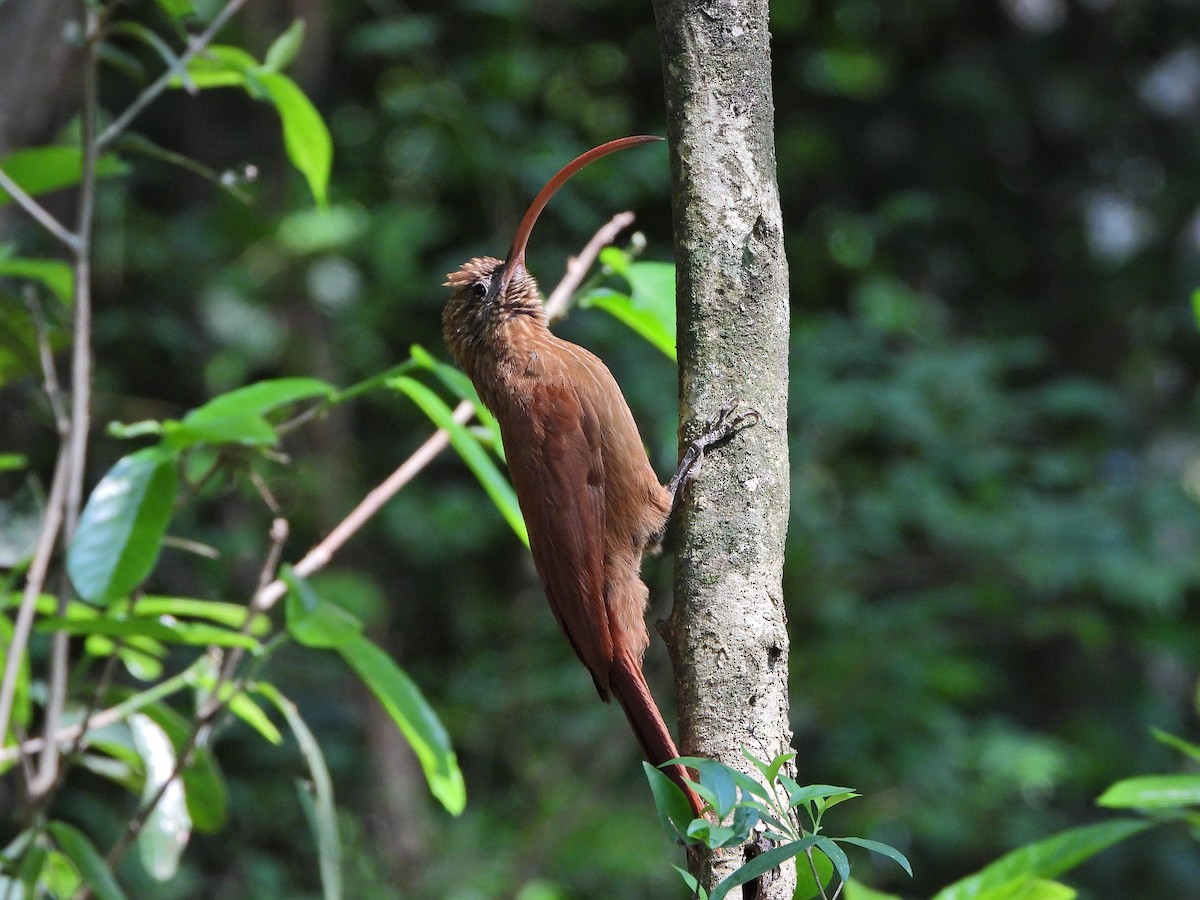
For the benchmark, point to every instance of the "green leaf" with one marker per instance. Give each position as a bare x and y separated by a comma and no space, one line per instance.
761,864
11,462
54,274
798,794
674,812
39,170
719,780
1153,792
238,416
1044,859
644,322
883,849
168,828
196,634
178,10
458,382
1196,305
318,805
413,716
203,785
1185,747
314,621
283,50
121,529
21,706
231,615
75,844
693,885
473,454
220,65
836,855
321,229
305,135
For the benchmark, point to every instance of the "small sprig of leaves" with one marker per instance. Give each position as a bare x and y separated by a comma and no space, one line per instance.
744,807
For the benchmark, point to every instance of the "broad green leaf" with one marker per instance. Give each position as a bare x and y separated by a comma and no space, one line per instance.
717,778
883,849
674,811
693,885
761,864
121,529
305,135
314,621
284,48
1046,858
168,828
237,417
39,170
251,713
95,872
836,855
249,431
1196,305
1153,792
622,308
318,805
413,716
203,785
473,454
54,274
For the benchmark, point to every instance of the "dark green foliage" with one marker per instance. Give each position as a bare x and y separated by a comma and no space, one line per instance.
992,576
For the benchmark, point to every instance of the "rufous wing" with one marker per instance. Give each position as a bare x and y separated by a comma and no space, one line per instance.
557,467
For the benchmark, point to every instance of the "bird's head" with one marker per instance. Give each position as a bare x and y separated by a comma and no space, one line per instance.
489,292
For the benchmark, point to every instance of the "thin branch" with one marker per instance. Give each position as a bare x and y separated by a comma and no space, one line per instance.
81,395
320,555
177,69
38,212
35,580
50,380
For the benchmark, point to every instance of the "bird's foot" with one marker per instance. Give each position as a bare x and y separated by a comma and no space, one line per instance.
717,429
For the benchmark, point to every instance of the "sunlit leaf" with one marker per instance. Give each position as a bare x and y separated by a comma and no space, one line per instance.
121,528
1153,792
167,830
413,716
473,454
54,274
883,849
95,872
1046,858
313,620
39,170
674,811
761,864
284,48
305,135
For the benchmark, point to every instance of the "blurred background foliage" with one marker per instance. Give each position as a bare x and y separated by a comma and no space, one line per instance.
992,579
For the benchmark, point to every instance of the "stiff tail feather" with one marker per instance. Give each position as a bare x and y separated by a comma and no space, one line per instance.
628,685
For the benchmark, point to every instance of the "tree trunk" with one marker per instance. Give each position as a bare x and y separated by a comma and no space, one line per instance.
728,631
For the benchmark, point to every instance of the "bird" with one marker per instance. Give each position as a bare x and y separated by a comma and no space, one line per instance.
591,500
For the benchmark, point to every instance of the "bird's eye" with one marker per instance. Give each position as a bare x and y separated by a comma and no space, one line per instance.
478,290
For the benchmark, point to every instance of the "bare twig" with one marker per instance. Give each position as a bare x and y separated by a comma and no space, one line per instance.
35,579
39,213
81,394
49,371
320,555
177,69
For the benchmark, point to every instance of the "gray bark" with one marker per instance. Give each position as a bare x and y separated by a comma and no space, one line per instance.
728,631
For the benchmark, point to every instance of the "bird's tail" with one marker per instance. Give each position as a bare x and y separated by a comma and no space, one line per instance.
628,685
